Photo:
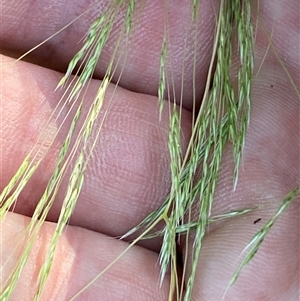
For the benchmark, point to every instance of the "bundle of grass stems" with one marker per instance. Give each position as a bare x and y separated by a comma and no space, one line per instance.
205,164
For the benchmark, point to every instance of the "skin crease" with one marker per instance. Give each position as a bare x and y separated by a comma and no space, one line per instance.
117,195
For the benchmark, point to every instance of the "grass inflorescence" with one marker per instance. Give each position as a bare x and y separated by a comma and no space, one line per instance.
222,119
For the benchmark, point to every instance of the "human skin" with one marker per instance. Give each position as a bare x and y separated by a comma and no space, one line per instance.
128,174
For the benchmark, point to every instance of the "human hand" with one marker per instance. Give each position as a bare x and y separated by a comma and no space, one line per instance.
128,175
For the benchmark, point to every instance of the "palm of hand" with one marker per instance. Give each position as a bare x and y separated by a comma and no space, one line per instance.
128,174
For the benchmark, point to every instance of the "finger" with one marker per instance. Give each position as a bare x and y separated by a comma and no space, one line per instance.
80,256
27,24
273,274
269,170
128,174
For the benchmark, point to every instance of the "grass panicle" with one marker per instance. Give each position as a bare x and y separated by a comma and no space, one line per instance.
89,55
222,119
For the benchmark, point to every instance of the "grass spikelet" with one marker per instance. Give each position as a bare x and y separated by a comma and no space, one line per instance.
242,13
162,78
129,15
259,237
5,201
